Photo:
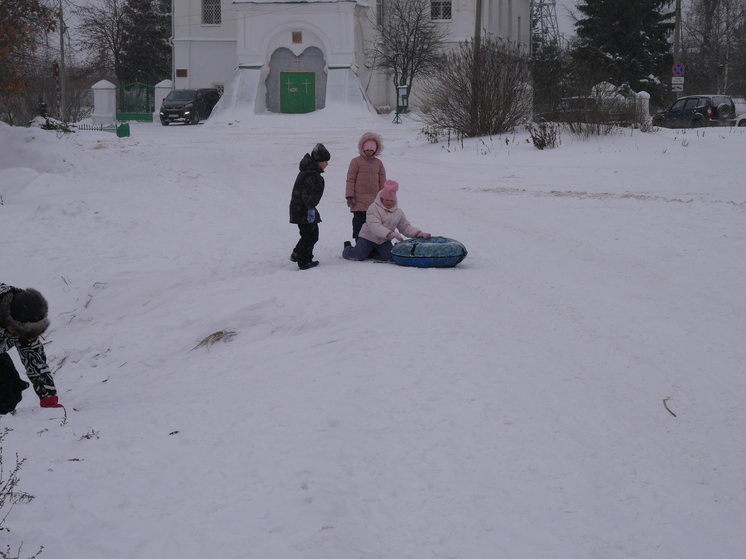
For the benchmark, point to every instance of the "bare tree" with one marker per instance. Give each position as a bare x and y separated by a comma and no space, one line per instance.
101,33
713,33
503,97
409,42
23,24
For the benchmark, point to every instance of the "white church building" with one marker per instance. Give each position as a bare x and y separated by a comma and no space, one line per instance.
294,56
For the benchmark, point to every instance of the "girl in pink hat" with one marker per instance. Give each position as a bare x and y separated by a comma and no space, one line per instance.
365,177
383,219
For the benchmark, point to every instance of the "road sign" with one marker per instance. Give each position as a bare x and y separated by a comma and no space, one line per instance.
678,69
677,79
677,87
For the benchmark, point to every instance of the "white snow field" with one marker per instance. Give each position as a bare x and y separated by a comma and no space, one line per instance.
574,389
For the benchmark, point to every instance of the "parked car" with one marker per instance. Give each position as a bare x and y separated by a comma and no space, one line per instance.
696,111
740,103
740,110
188,105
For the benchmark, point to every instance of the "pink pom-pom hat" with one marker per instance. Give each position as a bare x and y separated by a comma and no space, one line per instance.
389,190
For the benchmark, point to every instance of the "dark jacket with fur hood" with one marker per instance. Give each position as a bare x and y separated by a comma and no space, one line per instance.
307,191
31,353
365,175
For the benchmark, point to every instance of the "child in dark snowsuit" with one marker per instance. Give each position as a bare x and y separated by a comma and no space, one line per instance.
307,192
23,318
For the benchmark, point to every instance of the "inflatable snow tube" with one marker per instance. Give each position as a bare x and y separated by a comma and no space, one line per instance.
434,252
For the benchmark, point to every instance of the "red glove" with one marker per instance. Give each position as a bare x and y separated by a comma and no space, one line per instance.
395,235
50,402
423,235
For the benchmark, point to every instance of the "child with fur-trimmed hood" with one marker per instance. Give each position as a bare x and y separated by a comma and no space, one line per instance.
365,178
383,220
23,318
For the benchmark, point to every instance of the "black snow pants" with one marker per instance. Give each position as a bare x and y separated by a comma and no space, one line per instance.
309,236
11,385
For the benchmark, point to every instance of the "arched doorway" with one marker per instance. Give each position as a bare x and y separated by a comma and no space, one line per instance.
296,84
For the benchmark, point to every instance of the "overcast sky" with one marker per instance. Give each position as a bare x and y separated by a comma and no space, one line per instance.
564,19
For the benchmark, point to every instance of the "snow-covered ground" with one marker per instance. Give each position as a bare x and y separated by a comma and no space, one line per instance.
512,407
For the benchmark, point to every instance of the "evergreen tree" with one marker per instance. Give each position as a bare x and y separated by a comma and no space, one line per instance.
146,53
626,41
550,76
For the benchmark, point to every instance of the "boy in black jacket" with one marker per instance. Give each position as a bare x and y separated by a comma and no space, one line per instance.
307,192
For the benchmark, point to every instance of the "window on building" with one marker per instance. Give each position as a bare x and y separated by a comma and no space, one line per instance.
440,9
380,11
211,12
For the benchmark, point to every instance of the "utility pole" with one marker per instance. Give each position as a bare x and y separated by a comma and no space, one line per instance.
677,34
475,76
61,100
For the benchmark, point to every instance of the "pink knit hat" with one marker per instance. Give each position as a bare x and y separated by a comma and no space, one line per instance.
389,190
370,144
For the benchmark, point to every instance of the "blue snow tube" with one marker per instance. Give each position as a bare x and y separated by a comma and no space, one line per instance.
434,252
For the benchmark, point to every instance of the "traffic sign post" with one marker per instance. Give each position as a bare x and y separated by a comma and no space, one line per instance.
677,79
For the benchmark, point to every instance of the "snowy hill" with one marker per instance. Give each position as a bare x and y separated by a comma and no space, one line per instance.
221,403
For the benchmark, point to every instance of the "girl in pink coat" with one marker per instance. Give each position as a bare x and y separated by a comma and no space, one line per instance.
365,177
383,219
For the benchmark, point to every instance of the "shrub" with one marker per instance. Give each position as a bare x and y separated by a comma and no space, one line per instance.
479,96
544,135
10,496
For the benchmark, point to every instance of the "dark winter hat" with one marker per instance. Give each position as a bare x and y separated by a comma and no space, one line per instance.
320,153
25,312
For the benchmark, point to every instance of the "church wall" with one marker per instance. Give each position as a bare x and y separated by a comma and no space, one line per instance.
207,63
206,51
250,33
187,16
262,28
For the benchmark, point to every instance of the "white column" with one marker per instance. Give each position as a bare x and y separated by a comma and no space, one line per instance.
104,103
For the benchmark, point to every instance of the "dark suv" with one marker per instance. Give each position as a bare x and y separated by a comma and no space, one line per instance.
188,105
696,111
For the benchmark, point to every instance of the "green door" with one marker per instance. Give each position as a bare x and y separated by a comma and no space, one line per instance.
297,92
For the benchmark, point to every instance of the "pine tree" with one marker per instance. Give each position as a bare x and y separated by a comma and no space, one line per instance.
146,55
626,41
